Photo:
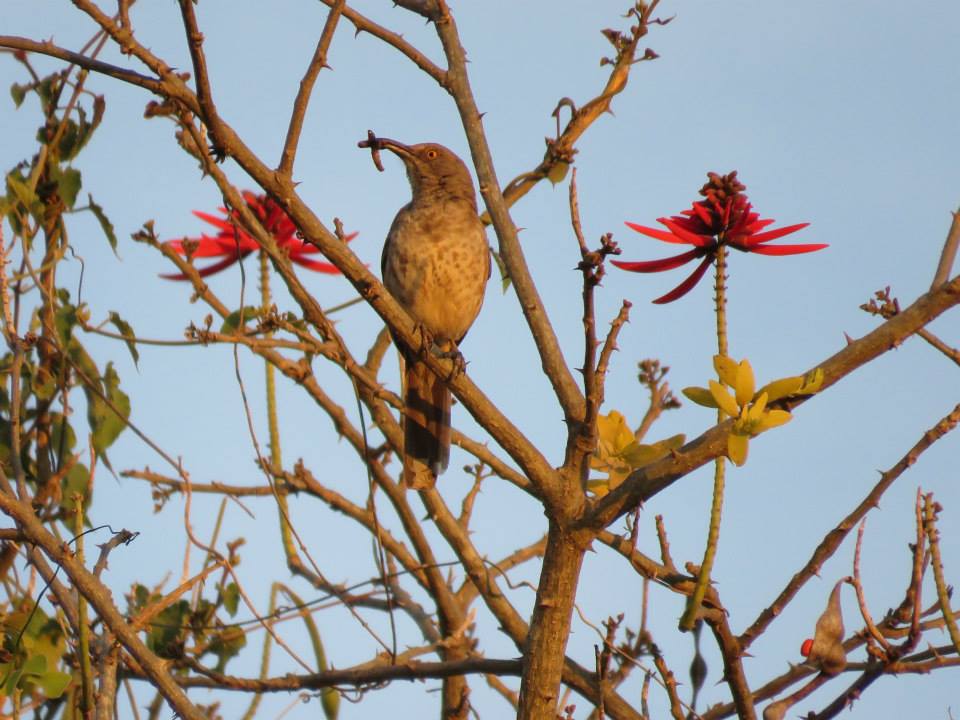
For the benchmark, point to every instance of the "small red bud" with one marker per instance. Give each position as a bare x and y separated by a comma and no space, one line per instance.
806,647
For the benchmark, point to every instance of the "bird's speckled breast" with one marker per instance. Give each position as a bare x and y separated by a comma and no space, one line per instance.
437,264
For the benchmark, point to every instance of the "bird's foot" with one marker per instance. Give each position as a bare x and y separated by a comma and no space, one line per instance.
449,351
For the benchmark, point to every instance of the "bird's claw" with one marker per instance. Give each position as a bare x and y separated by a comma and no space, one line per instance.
449,351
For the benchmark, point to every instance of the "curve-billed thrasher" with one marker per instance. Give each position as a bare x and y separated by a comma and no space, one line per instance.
435,264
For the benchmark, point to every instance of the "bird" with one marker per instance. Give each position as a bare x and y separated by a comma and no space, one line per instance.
436,264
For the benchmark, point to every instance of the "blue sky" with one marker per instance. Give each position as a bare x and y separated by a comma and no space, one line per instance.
842,115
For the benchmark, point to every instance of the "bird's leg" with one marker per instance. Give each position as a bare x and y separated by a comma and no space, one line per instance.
448,350
426,339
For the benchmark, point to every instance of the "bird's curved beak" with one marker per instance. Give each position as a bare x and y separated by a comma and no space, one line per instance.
397,148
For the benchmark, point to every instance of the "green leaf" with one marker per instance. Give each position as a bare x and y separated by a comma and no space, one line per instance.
701,396
54,683
167,631
44,384
35,665
231,598
77,135
49,90
128,335
232,322
68,186
77,482
502,268
105,224
227,644
105,423
18,188
62,434
69,144
12,679
64,320
18,93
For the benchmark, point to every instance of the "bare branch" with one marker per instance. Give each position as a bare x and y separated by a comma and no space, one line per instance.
99,597
317,63
654,478
565,387
835,537
949,254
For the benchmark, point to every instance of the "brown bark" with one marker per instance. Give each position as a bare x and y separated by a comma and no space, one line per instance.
543,657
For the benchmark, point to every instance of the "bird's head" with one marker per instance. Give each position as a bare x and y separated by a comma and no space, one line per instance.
433,170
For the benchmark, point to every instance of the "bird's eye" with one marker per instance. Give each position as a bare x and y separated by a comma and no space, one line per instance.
432,154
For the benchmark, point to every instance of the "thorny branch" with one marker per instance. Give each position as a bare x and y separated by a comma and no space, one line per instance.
585,520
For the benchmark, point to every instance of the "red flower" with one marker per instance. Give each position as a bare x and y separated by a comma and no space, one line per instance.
724,217
233,244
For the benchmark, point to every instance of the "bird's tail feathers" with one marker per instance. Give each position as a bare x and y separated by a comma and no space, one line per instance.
426,425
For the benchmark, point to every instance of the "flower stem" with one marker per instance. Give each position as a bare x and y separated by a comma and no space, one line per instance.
276,460
720,299
719,467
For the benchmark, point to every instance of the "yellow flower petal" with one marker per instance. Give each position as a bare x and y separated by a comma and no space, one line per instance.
773,419
737,446
726,369
758,407
701,396
782,388
744,385
724,399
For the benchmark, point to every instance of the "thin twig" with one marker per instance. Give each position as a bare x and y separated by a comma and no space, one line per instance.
861,600
930,512
949,253
317,63
835,537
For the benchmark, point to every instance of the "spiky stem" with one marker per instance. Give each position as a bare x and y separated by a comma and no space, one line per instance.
719,468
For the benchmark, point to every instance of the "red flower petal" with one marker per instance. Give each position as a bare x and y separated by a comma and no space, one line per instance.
786,249
648,266
703,213
755,224
300,247
687,285
206,246
685,235
656,233
315,265
209,269
773,234
217,222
